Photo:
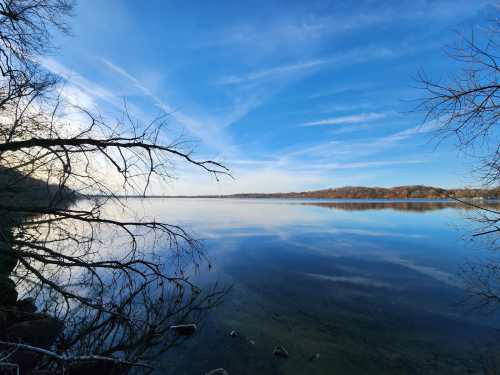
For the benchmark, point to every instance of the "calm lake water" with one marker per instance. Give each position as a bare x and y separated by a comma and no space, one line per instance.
372,287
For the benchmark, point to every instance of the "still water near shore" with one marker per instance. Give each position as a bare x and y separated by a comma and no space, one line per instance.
346,287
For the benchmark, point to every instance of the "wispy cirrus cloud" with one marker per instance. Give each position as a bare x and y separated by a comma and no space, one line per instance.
271,72
84,92
427,127
303,35
293,31
351,119
298,165
80,91
306,28
330,150
366,164
208,130
340,89
353,56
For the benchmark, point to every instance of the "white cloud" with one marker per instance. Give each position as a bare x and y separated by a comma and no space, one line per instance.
352,119
331,150
209,129
365,164
246,180
307,166
419,129
297,30
272,72
354,56
83,92
78,97
78,89
308,27
278,175
340,89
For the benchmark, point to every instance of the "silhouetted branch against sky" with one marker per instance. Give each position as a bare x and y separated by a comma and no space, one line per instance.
465,105
115,280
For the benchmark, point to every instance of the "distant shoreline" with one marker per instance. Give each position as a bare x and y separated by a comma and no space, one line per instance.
326,200
403,193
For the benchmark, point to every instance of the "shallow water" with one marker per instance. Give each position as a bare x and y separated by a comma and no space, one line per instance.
372,287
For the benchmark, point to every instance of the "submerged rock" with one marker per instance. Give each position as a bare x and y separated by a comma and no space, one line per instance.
280,352
184,329
314,357
217,371
233,333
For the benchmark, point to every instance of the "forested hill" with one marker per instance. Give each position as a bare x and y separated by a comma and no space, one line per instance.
17,189
399,192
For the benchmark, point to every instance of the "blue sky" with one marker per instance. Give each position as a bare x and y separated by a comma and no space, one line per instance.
290,95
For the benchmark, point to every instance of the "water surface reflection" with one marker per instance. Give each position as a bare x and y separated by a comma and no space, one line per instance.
371,287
